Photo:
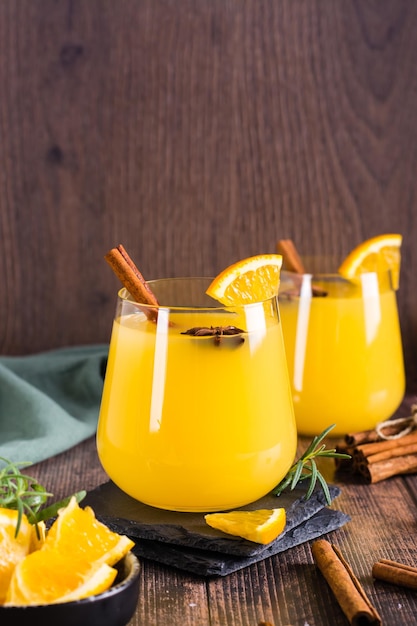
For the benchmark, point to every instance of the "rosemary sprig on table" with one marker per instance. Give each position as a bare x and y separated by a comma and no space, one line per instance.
306,467
26,495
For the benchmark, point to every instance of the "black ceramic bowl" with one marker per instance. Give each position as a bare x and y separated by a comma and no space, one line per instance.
113,607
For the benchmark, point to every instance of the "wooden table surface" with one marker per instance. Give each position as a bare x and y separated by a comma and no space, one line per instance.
285,590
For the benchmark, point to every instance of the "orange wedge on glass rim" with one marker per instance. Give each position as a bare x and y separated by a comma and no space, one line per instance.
254,279
377,254
260,526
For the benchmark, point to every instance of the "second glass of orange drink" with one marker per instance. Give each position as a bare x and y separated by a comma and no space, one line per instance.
197,412
343,340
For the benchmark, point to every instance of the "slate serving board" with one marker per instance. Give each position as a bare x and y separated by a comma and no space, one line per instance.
185,541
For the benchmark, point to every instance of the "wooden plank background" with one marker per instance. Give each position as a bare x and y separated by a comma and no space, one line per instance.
196,133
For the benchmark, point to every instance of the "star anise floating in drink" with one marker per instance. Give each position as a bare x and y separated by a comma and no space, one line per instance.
217,332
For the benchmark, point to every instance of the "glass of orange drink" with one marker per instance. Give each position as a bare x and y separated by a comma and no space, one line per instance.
343,345
196,413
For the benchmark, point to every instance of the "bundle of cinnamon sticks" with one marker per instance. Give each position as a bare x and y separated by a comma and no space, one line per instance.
376,458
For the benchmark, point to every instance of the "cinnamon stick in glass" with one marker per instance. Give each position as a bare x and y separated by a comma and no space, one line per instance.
293,263
292,259
131,278
345,586
395,573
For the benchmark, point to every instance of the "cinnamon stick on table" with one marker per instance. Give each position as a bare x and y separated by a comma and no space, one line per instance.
395,573
366,436
387,449
389,430
390,449
131,278
395,466
344,584
376,460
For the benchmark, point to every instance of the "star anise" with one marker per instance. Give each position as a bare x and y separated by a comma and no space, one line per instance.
217,332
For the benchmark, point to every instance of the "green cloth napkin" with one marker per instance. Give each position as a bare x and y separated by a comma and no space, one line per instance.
49,401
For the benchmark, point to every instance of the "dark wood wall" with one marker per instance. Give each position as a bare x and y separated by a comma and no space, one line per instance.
196,132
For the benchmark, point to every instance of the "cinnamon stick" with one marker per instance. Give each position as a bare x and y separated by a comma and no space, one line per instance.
393,428
364,436
131,278
387,444
293,263
292,259
389,453
383,459
389,450
343,464
395,466
344,584
395,573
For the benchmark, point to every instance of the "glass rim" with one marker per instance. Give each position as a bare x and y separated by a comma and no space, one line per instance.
124,295
335,275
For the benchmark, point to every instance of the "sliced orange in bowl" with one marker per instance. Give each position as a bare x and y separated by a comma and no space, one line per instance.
72,562
77,532
48,576
13,548
254,279
38,536
378,254
260,526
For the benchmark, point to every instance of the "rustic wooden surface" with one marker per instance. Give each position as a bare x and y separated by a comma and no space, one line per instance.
283,590
195,133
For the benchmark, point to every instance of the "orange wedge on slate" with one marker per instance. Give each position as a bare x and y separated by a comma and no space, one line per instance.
260,526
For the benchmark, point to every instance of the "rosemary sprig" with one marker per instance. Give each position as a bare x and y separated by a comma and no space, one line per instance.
26,495
306,467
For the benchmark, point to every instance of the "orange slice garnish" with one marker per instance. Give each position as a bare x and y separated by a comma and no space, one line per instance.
254,279
378,254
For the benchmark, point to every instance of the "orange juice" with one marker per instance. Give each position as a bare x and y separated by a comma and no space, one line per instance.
192,423
344,352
